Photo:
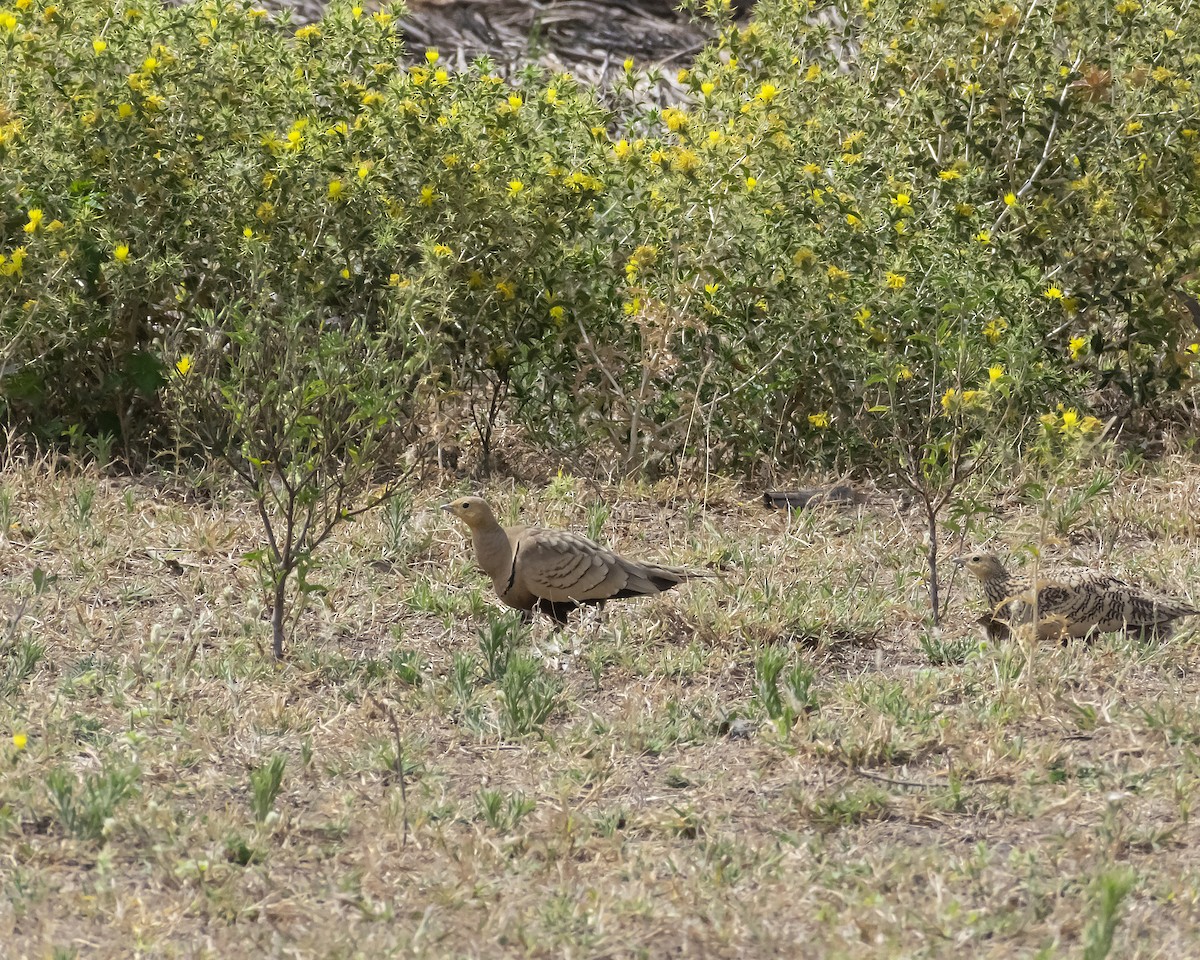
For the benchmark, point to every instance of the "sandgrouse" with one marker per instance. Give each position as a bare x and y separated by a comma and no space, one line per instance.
555,571
1071,602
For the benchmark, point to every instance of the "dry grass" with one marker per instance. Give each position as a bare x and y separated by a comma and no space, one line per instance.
935,796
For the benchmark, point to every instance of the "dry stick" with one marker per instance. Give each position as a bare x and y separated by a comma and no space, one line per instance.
1028,185
397,766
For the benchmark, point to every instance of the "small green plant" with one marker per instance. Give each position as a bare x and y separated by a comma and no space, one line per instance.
408,666
503,813
265,784
497,641
1109,892
849,806
85,808
397,515
304,410
1065,512
464,672
783,702
598,514
944,651
528,696
238,851
83,499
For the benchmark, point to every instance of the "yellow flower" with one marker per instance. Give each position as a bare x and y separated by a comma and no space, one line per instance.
1010,198
515,102
819,420
903,372
895,281
35,220
1053,293
428,194
707,87
1070,421
1133,126
804,257
356,11
946,175
995,329
558,315
99,46
345,272
183,364
995,373
675,119
837,274
628,64
751,183
622,149
862,316
812,73
431,56
515,187
854,221
983,238
121,252
1077,346
902,202
335,189
309,32
767,92
20,741
1048,420
441,250
248,232
506,289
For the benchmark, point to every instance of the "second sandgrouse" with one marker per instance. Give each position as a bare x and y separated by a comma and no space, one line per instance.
1074,602
555,571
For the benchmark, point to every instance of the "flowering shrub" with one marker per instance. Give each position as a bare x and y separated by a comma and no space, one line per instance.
883,230
875,233
157,164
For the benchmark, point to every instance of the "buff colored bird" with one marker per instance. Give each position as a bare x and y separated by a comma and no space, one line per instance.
555,571
1072,602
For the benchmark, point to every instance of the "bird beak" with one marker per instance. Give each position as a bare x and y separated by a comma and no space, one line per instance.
448,507
958,561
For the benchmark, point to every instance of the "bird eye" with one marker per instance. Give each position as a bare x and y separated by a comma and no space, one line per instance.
466,506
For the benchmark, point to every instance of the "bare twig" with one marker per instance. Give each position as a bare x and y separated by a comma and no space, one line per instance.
397,766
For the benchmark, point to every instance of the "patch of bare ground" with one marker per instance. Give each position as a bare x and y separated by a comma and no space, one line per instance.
930,795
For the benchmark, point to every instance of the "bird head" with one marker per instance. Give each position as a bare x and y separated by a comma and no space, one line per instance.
981,565
472,511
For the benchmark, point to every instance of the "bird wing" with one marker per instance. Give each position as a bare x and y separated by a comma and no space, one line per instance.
1089,599
559,565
